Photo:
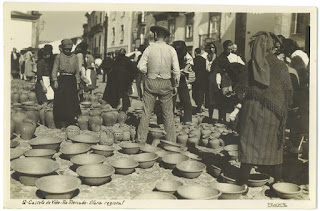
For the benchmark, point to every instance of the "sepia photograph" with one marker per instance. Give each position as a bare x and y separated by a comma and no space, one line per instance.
202,107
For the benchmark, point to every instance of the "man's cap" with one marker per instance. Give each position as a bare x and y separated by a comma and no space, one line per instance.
66,43
155,29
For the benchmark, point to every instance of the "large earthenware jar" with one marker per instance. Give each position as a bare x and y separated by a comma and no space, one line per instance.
95,123
15,97
27,129
122,117
95,112
193,140
23,97
83,122
182,139
49,118
109,118
32,96
18,118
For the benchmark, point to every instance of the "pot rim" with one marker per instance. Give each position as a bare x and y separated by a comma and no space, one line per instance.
76,186
78,170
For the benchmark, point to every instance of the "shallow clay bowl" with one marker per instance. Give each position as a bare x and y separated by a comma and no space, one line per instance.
86,159
30,169
198,192
16,153
130,148
231,147
58,186
104,150
190,169
161,154
14,143
46,143
154,196
172,160
86,104
95,174
230,191
124,166
84,138
46,153
74,149
258,180
168,186
172,149
146,160
286,190
149,148
228,179
169,143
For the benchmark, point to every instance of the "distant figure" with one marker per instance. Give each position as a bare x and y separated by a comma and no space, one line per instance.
48,48
15,63
200,86
106,66
98,62
29,66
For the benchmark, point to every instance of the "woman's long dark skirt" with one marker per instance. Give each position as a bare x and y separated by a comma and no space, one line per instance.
66,101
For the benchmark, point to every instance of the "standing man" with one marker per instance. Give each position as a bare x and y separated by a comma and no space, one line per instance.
201,84
160,64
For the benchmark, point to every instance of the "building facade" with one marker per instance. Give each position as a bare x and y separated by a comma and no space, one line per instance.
129,30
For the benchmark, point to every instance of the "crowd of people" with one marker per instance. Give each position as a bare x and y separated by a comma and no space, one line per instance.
263,96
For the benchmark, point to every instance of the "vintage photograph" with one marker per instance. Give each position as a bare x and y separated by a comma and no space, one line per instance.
134,103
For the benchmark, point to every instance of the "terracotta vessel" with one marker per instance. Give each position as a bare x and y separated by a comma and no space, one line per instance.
18,118
94,98
216,143
182,139
23,97
95,112
95,123
83,122
49,119
32,96
27,129
126,135
106,137
15,97
109,118
193,140
42,112
122,117
118,134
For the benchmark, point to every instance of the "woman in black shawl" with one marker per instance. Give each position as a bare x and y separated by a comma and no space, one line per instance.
262,119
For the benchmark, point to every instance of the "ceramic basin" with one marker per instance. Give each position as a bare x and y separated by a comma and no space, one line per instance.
95,174
198,192
190,169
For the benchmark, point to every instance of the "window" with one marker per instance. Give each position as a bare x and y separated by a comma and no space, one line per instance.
99,41
189,25
113,34
214,26
100,17
172,29
122,34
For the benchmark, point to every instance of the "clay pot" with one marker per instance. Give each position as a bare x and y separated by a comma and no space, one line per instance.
118,134
133,133
216,143
195,120
193,140
86,96
122,117
27,129
23,97
205,132
49,119
182,139
126,135
32,96
204,142
95,123
106,137
196,132
15,97
83,122
95,112
109,118
18,118
94,99
177,119
31,116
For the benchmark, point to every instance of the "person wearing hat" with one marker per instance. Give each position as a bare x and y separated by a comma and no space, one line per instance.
159,62
66,101
122,74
